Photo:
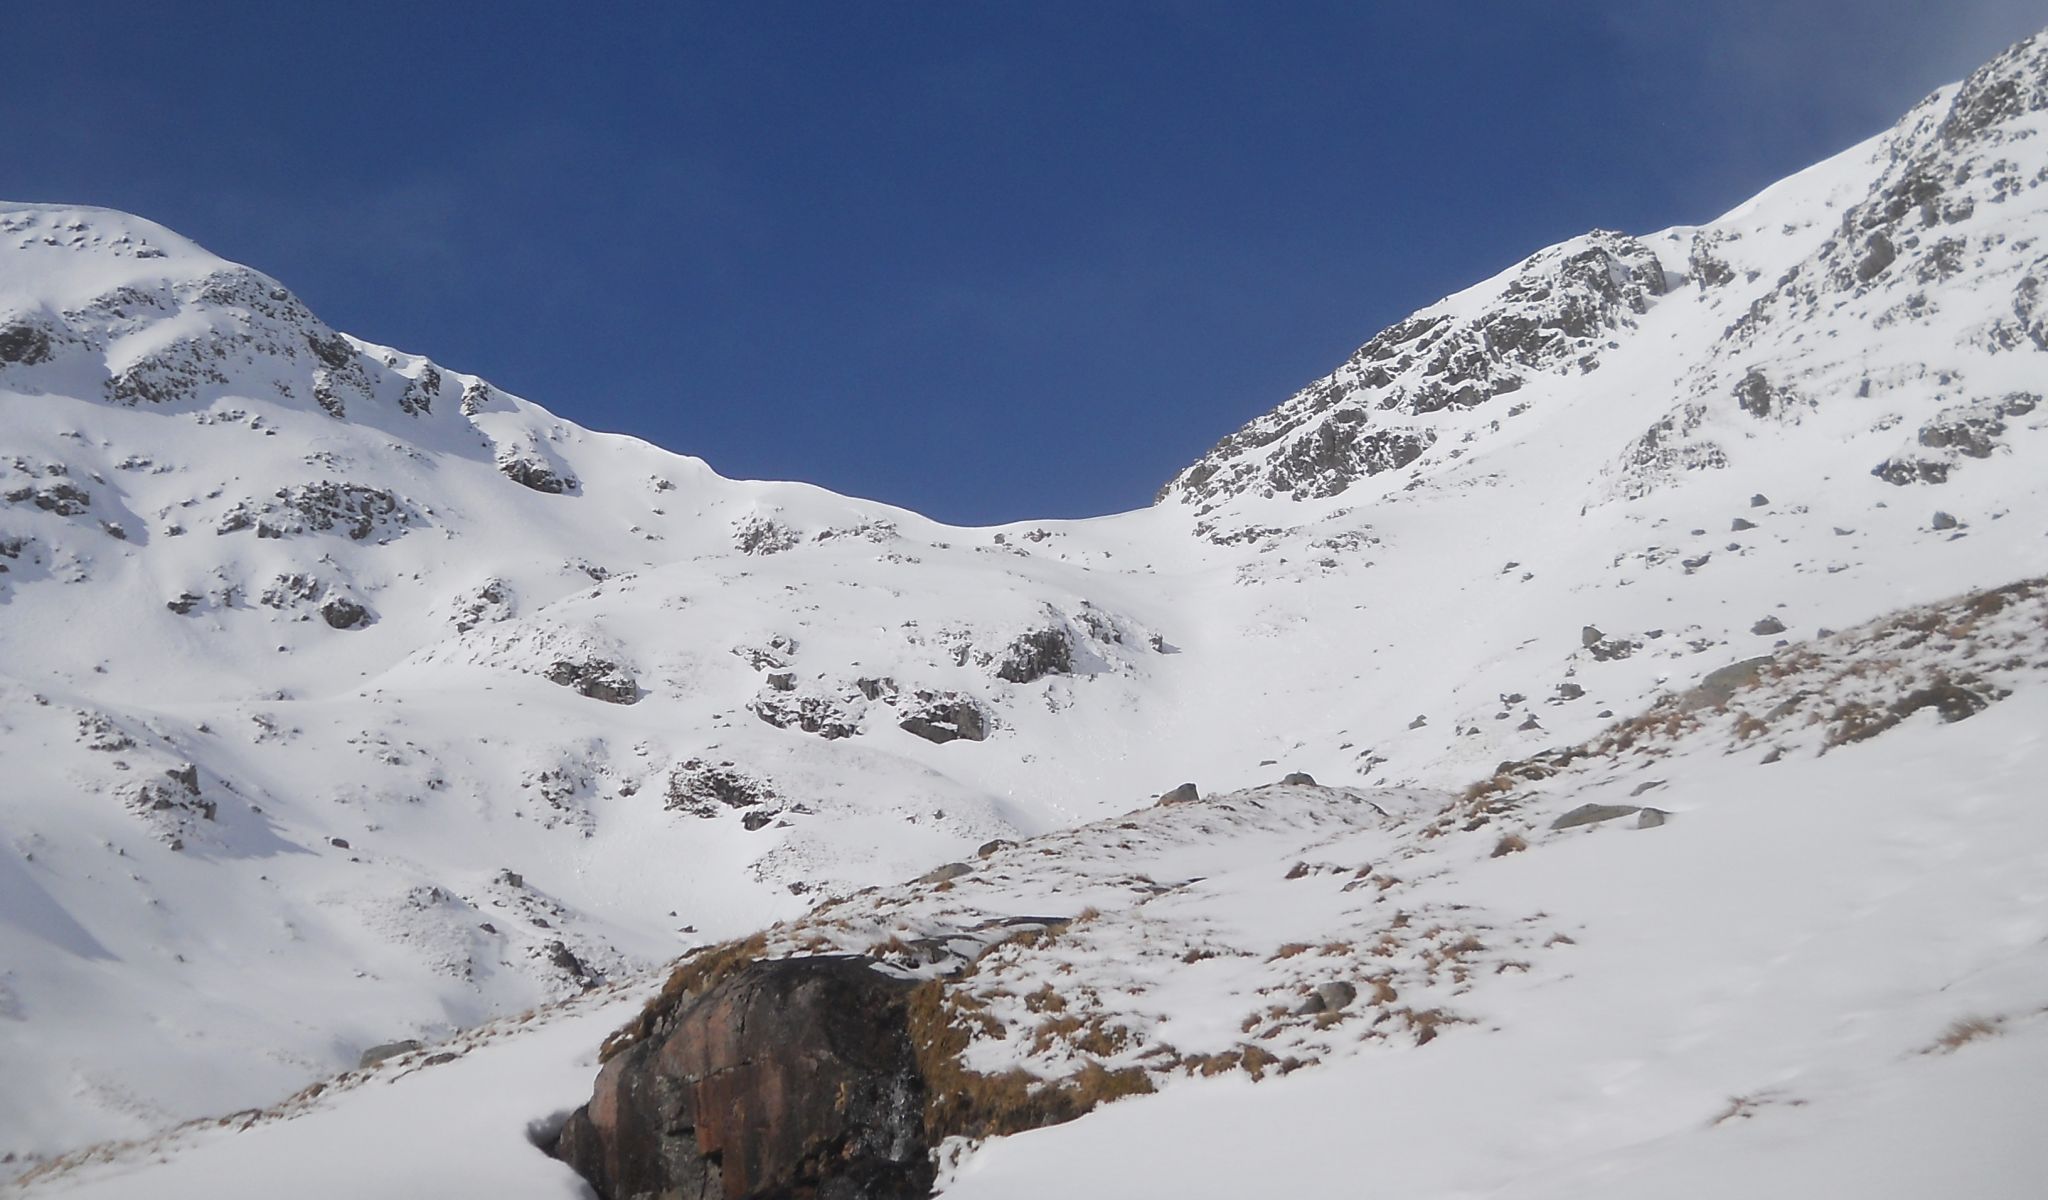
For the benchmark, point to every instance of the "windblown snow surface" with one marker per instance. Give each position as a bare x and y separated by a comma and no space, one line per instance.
346,699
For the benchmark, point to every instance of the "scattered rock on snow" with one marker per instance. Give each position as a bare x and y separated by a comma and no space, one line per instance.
1035,654
1589,814
1719,686
343,613
382,1051
597,678
942,718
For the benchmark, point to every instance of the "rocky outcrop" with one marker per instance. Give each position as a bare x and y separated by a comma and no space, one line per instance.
1034,655
340,612
380,1052
530,472
597,678
361,512
24,344
830,717
785,1078
943,718
1554,313
763,535
63,498
705,789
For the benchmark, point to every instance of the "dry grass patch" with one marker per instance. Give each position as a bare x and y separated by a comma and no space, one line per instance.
1962,1031
967,1103
698,971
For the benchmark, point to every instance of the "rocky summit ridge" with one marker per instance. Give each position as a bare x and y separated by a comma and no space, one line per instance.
348,701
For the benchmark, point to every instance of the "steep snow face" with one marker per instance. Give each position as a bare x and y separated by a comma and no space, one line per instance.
345,697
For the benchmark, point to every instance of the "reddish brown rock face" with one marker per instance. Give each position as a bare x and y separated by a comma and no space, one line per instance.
791,1078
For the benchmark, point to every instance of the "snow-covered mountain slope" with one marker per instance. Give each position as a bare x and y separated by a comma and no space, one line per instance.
1820,964
346,698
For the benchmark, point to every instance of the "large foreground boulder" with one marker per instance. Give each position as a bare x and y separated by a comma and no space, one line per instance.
785,1078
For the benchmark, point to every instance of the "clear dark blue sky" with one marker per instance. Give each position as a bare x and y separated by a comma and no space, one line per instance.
986,261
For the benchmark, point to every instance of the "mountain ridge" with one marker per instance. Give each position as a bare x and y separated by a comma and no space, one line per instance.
348,697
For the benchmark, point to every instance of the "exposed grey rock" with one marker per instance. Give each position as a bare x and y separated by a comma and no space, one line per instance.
1721,684
343,613
1878,253
1972,435
1186,793
992,847
23,344
532,473
1943,520
420,393
1902,470
321,507
1033,655
944,717
382,1051
1767,626
477,396
566,961
65,499
763,535
597,678
1613,649
827,716
1754,394
704,789
1373,414
1650,818
941,874
1333,996
490,602
1588,814
1299,779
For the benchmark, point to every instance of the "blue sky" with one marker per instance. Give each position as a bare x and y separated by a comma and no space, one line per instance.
986,261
